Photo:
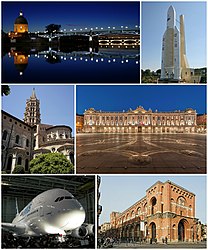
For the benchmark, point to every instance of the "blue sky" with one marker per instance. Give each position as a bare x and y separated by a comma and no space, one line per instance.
120,192
56,103
123,97
154,25
71,14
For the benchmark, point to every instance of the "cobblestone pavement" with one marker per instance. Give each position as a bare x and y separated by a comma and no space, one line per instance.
141,153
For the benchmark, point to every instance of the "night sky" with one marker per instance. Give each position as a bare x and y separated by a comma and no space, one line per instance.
162,98
71,14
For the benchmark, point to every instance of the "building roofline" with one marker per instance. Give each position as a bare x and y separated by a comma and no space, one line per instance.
8,114
57,126
145,111
132,205
170,182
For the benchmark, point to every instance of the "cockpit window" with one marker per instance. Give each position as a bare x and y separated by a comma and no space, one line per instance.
57,199
68,197
63,198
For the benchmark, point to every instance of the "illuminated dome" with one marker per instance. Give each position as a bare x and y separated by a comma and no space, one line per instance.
20,19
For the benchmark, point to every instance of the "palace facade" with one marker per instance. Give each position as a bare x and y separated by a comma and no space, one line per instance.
140,121
166,212
24,140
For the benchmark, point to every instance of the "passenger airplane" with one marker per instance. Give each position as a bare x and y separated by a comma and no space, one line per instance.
55,211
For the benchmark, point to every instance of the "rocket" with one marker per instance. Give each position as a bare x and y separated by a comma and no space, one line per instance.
174,64
170,66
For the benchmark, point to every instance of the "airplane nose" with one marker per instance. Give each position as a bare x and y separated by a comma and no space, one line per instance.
73,218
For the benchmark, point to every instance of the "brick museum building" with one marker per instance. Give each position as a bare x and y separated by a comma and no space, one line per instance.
166,212
23,140
140,121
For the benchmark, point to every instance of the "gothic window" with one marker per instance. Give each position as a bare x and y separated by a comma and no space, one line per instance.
17,139
27,143
4,137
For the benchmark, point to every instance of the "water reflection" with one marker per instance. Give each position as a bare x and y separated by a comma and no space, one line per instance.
104,64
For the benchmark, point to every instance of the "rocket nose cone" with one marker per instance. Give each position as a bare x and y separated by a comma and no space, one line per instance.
171,17
170,8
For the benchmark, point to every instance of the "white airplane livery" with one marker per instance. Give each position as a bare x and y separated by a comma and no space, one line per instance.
55,211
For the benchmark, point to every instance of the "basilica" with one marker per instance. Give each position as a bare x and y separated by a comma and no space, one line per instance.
24,140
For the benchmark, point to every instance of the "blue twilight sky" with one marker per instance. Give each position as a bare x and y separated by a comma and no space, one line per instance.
154,15
123,97
120,192
71,14
56,103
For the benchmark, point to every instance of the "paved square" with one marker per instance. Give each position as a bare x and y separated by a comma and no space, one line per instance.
141,153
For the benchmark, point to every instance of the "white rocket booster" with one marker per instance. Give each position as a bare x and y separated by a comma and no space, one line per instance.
170,66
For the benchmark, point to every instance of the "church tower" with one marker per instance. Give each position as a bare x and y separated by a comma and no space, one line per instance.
32,110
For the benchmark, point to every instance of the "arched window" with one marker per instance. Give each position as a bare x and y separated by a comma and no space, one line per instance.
19,161
181,201
17,139
154,202
27,143
9,164
4,137
139,210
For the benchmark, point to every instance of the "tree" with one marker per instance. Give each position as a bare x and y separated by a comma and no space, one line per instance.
53,28
51,163
5,90
158,72
19,169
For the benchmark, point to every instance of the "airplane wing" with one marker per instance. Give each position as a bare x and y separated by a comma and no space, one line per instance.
14,228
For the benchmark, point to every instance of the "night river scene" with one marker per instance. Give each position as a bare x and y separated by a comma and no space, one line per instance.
70,42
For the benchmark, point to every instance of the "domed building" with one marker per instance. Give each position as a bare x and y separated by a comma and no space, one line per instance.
20,24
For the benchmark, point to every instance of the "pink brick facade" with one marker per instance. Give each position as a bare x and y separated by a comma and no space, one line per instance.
167,211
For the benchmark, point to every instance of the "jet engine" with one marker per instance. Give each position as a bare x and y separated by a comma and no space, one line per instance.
90,228
79,232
